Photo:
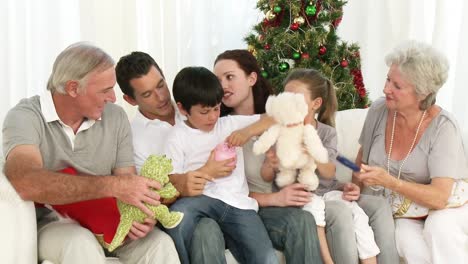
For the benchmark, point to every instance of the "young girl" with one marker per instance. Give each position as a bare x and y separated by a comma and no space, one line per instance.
321,99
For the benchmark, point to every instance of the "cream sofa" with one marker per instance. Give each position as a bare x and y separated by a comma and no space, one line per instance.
18,225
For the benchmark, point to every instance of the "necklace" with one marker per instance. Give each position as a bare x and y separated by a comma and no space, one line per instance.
392,194
412,144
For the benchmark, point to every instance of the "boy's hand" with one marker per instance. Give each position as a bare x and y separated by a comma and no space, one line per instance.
238,137
217,169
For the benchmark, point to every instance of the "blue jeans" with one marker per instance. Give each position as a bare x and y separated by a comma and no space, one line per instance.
208,243
293,231
243,230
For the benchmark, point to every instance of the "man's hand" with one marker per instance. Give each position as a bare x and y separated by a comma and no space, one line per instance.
140,230
351,192
137,190
191,183
293,195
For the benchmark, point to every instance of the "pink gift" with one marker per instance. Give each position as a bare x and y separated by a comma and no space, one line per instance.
224,152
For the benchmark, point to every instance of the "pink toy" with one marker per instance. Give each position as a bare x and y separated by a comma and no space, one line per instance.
224,152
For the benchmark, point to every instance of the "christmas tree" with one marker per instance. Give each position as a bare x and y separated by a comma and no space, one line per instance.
302,34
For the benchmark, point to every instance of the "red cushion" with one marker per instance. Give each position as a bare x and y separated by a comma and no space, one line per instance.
101,216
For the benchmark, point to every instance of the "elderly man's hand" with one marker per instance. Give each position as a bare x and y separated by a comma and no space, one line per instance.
140,230
137,190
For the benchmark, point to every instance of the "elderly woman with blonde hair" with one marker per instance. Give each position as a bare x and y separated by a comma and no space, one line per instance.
412,153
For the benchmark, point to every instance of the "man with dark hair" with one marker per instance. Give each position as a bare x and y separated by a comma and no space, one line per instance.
143,84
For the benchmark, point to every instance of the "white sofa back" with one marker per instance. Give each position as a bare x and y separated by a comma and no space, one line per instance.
348,128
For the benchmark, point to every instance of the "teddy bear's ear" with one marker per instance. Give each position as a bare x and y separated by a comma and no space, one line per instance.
269,104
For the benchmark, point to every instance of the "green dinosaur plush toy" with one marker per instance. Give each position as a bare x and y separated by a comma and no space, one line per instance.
156,168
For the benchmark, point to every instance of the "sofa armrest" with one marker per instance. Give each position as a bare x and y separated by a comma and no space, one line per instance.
17,224
349,124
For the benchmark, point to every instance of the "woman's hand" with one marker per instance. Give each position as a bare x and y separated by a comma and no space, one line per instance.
271,160
371,176
269,166
293,195
351,192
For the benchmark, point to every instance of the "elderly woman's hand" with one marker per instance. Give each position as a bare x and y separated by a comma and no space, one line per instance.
371,176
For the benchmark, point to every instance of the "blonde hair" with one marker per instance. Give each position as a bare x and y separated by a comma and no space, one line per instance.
319,86
76,62
422,65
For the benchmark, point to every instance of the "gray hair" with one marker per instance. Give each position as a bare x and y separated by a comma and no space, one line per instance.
76,62
423,66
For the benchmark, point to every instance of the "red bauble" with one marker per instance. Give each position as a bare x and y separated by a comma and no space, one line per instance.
344,63
267,47
322,50
337,22
305,56
362,92
294,26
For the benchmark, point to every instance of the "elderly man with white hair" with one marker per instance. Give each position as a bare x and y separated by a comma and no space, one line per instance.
75,124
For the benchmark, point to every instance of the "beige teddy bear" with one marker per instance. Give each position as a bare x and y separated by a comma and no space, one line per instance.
298,146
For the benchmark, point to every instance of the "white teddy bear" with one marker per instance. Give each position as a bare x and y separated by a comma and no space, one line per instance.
298,146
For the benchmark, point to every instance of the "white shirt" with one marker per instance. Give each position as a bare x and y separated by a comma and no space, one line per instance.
190,148
50,115
149,136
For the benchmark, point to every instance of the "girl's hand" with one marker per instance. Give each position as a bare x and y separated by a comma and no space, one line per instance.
351,192
293,195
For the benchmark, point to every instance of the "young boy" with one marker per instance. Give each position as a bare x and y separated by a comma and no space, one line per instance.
225,199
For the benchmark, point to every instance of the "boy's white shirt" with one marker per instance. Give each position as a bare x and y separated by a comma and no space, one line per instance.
149,136
190,148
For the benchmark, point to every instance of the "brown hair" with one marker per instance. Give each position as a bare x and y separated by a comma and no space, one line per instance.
319,86
247,62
